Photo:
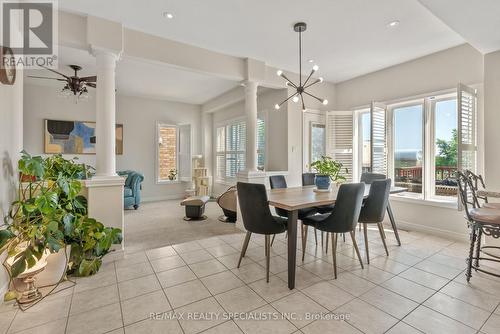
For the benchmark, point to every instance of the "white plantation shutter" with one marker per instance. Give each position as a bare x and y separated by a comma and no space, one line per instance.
235,148
378,138
220,153
261,143
467,146
339,139
184,153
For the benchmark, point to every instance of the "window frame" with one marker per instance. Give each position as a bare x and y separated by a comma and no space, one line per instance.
428,102
160,124
312,124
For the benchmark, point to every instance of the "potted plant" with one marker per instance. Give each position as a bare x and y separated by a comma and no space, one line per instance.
172,174
328,170
50,214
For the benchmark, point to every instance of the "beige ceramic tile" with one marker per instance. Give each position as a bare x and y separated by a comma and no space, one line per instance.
432,322
140,308
186,293
99,320
176,276
222,282
241,299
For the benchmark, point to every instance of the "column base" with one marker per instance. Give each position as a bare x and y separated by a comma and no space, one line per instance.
105,202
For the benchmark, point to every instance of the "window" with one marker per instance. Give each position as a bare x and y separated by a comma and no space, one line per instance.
231,148
318,141
365,143
445,141
167,161
408,125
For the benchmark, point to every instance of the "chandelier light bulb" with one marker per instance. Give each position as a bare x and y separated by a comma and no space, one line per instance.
295,99
320,79
279,72
325,102
277,106
304,110
315,68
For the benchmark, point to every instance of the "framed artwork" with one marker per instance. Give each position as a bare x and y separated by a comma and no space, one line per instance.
75,137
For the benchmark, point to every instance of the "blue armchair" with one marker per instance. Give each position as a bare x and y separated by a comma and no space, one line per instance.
132,189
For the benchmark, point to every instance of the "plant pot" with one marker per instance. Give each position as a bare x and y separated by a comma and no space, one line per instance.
56,267
322,182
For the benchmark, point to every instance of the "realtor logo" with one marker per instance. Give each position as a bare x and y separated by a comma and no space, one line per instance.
29,28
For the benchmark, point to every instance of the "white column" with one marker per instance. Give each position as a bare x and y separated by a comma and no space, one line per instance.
105,113
251,125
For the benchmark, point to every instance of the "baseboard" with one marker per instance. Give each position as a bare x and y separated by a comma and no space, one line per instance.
163,198
432,230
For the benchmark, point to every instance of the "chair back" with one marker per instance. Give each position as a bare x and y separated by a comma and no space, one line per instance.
308,179
277,181
257,217
368,178
467,193
476,181
375,205
345,214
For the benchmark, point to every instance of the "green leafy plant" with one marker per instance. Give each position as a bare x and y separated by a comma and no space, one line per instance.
50,213
328,167
172,174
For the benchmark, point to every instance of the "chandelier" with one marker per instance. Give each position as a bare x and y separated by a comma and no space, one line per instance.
302,86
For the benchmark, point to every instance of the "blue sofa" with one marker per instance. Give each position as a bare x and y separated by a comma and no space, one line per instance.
132,189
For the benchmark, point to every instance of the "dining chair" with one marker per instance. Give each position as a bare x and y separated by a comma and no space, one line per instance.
308,180
342,219
279,182
257,218
373,210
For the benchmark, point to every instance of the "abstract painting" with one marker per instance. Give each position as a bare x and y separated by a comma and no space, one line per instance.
75,137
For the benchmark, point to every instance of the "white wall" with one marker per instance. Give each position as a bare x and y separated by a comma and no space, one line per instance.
11,143
436,72
138,116
492,118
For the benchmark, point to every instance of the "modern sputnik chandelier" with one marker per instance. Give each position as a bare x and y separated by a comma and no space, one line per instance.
302,87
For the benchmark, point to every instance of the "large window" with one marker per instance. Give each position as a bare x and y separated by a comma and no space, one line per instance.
231,148
422,145
408,124
167,164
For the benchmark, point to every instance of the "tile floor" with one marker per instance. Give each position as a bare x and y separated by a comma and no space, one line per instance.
193,287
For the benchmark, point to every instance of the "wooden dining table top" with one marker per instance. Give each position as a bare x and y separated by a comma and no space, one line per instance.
295,198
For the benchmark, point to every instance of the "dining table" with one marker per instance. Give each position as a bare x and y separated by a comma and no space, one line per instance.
295,198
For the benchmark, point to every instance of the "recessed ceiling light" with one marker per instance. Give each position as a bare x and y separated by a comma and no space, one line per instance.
394,23
168,15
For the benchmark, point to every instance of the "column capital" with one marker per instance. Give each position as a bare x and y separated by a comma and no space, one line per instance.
105,53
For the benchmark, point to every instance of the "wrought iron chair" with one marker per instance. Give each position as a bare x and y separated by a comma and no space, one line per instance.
480,221
476,182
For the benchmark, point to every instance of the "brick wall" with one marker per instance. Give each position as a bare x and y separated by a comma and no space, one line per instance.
167,151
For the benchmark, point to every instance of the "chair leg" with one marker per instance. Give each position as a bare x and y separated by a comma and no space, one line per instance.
383,231
268,255
316,236
334,254
244,247
272,240
343,237
322,243
478,247
365,231
355,244
382,235
304,241
326,248
468,274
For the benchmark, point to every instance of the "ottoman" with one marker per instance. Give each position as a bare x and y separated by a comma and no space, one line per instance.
195,207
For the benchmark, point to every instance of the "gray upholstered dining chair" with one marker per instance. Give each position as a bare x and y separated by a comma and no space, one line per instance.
342,219
257,217
279,182
373,211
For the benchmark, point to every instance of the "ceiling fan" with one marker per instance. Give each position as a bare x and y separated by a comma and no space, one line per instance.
75,85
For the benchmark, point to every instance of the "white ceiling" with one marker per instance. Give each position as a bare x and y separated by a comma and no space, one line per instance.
139,78
346,38
478,22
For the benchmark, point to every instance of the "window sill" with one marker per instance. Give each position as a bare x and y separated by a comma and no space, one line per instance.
429,202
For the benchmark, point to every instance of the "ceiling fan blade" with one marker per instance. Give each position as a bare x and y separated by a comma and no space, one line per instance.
58,79
89,79
93,85
56,72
